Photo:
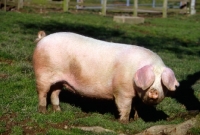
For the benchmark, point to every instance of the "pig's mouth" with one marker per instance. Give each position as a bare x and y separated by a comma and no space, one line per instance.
150,101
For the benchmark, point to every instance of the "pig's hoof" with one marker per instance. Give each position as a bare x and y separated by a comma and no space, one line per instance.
56,108
136,117
42,109
124,120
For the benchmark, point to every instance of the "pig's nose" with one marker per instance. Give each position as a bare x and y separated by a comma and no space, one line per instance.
153,94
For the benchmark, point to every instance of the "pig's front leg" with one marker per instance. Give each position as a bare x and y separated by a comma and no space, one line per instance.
124,106
136,116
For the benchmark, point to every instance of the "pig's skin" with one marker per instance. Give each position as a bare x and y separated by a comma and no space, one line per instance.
99,69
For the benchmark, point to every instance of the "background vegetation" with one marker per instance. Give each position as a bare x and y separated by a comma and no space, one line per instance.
176,39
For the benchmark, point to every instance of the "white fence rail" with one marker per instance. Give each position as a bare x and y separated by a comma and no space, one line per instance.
135,6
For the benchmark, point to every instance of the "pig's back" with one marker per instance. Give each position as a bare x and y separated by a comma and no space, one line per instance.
80,45
63,41
95,54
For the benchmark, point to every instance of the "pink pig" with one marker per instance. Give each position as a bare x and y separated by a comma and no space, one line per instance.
99,69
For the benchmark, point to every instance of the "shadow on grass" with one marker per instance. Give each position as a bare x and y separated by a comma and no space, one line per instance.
98,32
146,112
87,105
185,94
114,34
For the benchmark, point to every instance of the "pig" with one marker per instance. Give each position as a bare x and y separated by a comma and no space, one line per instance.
99,69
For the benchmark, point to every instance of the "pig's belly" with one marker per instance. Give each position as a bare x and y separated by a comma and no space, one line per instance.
92,90
90,85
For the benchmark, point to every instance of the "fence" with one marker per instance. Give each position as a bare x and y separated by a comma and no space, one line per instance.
135,6
197,6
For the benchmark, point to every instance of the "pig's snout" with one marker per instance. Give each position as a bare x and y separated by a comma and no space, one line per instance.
153,97
153,94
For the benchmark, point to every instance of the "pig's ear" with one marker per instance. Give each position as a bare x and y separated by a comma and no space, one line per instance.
169,79
144,77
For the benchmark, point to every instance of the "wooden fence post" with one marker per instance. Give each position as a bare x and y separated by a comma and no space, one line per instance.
19,4
135,8
192,7
164,9
104,7
65,5
4,5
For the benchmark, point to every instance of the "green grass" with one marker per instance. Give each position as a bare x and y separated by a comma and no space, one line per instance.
176,39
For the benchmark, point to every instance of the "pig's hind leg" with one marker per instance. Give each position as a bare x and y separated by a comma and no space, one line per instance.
55,91
46,88
42,90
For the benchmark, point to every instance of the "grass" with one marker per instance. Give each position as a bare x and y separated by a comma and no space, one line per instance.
176,39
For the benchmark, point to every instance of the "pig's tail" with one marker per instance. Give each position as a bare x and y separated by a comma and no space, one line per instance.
41,34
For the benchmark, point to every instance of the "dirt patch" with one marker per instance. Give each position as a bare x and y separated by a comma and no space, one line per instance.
3,76
28,126
61,125
6,61
8,122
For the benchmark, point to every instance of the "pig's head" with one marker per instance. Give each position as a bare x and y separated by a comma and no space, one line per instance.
152,83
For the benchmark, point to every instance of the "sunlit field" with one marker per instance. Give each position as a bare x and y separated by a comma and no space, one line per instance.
175,39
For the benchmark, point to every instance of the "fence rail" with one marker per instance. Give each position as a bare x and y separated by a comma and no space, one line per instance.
122,6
